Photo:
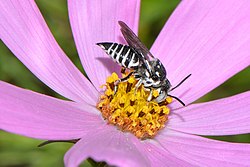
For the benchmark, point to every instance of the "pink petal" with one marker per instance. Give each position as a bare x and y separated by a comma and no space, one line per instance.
201,151
226,116
94,22
208,39
109,145
35,115
159,156
24,31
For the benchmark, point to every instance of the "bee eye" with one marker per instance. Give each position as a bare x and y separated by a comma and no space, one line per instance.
154,77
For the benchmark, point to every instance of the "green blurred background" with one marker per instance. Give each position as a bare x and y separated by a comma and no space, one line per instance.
18,151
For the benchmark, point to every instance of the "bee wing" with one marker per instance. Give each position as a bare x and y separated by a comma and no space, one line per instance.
134,41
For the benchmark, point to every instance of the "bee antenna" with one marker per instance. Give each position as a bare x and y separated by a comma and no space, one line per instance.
180,83
179,100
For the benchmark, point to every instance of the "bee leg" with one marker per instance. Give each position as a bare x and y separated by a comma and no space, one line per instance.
121,80
150,95
138,84
123,70
115,89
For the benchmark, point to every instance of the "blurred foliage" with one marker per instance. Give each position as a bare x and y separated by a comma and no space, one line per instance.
18,151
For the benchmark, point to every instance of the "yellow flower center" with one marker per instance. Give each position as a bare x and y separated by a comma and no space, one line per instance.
129,110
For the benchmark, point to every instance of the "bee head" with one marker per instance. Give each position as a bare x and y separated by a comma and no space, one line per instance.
155,77
165,86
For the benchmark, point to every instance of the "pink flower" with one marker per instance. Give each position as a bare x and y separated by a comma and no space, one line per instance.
209,39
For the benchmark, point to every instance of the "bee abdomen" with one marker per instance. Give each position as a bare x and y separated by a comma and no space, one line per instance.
122,54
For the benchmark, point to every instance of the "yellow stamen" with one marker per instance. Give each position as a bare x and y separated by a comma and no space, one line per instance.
112,78
129,110
155,93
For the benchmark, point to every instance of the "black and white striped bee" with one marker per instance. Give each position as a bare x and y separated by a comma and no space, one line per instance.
136,57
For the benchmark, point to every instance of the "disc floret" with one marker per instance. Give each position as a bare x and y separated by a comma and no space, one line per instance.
129,110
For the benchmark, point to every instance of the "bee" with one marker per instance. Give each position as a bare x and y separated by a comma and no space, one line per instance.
147,69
